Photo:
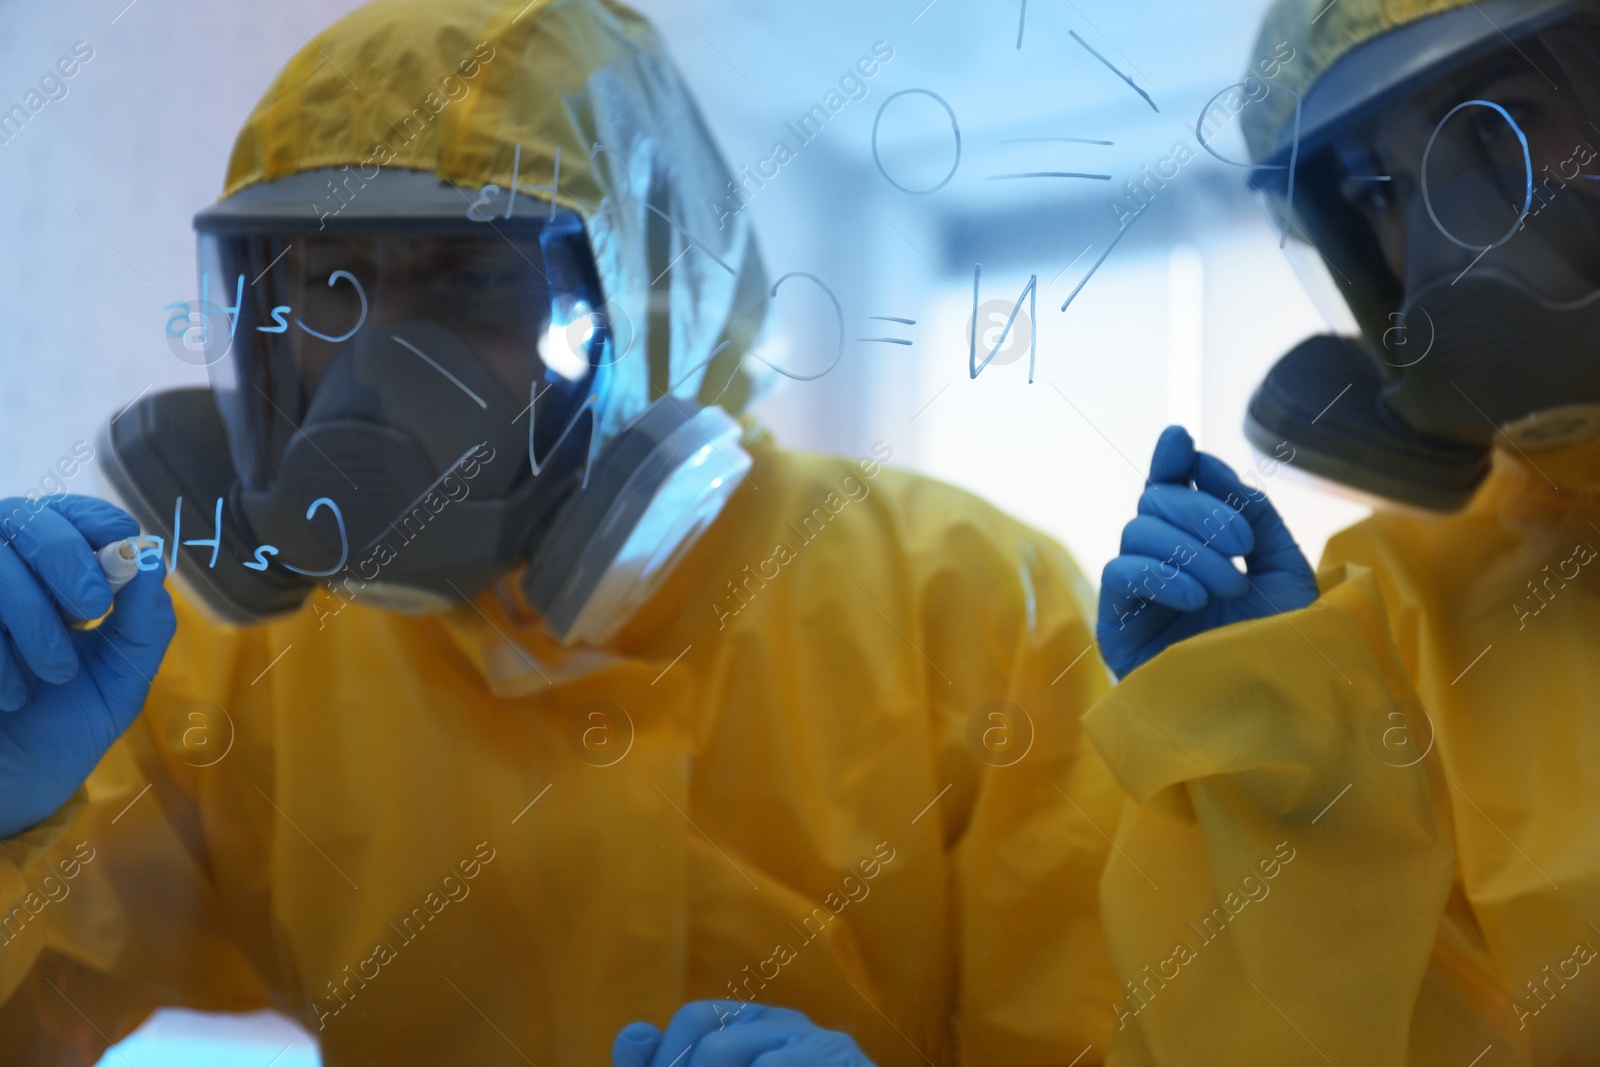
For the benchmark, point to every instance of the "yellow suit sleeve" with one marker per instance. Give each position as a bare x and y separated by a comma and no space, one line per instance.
1283,884
108,910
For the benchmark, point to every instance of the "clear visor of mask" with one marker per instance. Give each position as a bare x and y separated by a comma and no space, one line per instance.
457,338
1492,163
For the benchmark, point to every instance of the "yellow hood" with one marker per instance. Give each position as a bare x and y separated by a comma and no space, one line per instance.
455,88
1320,33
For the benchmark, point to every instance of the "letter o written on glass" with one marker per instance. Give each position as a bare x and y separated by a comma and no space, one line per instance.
955,129
1527,163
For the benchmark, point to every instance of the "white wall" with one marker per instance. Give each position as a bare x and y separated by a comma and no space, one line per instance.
97,193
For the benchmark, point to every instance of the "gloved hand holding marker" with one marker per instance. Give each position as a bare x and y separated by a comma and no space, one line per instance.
66,695
119,562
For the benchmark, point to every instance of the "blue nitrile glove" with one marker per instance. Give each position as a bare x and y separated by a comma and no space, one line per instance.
1175,576
730,1033
66,695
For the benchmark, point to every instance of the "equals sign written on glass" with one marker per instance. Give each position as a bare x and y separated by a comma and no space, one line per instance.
890,340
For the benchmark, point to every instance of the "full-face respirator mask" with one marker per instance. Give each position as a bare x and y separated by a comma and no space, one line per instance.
1446,171
405,404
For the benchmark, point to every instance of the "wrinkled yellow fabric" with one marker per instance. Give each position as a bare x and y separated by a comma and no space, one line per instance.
450,840
1435,906
1320,33
799,742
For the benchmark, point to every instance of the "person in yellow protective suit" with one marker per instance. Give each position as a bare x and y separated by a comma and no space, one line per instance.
1366,829
500,756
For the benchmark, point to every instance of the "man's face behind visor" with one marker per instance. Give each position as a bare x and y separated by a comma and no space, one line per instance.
490,293
1481,167
1484,191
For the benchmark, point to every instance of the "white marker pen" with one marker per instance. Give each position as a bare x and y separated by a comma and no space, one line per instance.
119,562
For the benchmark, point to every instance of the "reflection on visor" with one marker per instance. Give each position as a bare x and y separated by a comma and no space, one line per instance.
488,325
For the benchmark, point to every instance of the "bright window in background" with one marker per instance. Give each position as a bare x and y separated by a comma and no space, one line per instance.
1177,333
173,1038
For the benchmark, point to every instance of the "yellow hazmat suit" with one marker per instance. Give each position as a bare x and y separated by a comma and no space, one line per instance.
834,764
1368,832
